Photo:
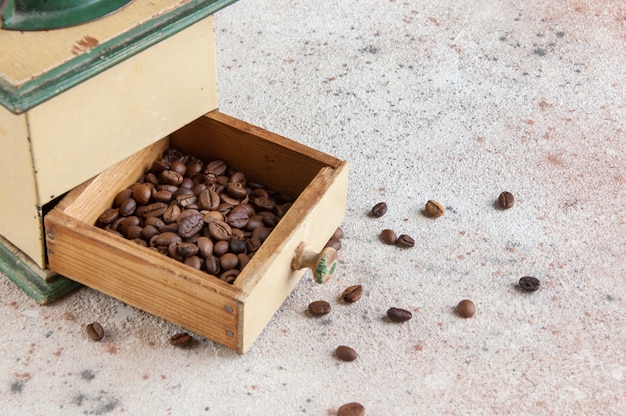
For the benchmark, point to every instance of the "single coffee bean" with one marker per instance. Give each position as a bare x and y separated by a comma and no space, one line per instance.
236,190
171,177
194,261
345,353
186,199
221,247
244,259
164,239
264,203
108,216
171,214
261,233
434,209
379,209
156,209
405,241
334,243
182,339
194,167
319,308
529,283
352,293
95,331
142,193
351,409
128,207
466,308
134,231
189,224
216,167
220,230
179,167
212,264
506,200
229,276
205,246
236,246
237,218
399,315
209,199
229,261
388,237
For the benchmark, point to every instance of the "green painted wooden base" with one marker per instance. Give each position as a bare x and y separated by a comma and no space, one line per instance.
42,285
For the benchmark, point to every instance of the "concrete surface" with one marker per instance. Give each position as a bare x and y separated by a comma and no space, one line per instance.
453,101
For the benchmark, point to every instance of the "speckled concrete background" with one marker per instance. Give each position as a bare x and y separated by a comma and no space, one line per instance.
453,101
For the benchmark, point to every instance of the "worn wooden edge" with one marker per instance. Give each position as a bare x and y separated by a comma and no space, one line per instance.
312,219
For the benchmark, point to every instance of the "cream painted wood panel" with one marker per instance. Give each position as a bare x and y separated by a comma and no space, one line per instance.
19,62
20,216
90,127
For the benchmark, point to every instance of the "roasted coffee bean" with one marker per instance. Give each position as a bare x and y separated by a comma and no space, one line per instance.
237,218
399,315
253,244
229,200
238,177
334,243
179,167
216,167
221,247
261,233
338,234
162,196
122,196
156,209
244,259
345,353
434,209
189,223
254,222
236,190
405,241
319,308
351,409
164,239
159,166
229,276
228,261
212,264
352,293
187,249
269,219
506,200
236,246
388,237
205,246
186,199
151,178
466,308
379,209
128,207
264,203
134,231
171,177
181,340
194,261
529,283
165,187
208,199
154,221
142,193
149,231
220,230
95,331
127,223
171,213
108,216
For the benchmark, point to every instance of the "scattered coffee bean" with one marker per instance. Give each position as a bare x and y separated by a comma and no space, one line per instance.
506,200
95,331
334,243
182,339
319,308
345,353
379,209
399,315
388,237
405,241
338,234
434,209
466,308
352,293
351,409
529,283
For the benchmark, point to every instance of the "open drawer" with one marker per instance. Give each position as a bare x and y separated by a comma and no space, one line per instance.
230,314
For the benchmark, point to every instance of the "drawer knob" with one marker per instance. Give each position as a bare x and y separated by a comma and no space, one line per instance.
322,264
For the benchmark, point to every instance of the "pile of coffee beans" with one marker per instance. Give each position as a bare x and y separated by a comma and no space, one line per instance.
205,214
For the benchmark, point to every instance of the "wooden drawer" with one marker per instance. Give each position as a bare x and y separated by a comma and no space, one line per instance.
230,314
